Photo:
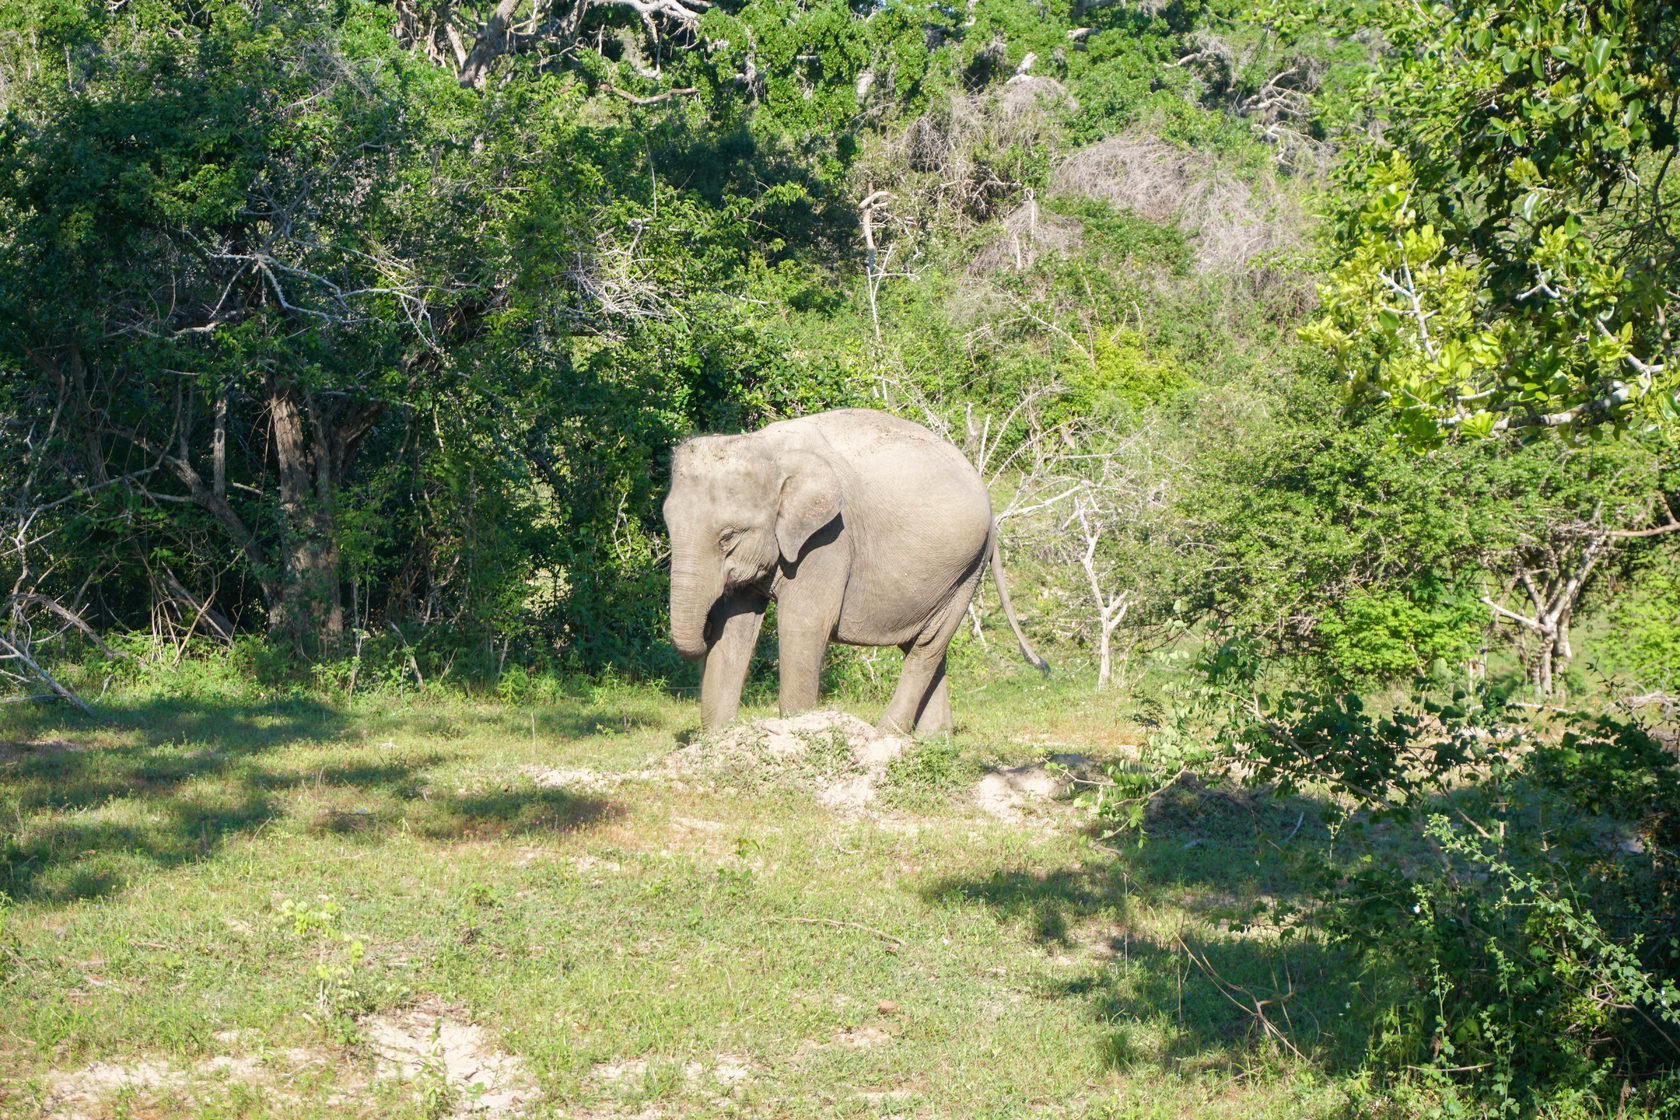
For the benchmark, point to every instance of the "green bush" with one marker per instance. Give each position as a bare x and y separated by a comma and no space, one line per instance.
1643,638
1381,635
926,775
1515,912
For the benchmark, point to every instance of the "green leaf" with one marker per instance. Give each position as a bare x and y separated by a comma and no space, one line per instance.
1600,53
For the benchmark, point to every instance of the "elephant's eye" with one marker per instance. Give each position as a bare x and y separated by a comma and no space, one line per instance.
726,539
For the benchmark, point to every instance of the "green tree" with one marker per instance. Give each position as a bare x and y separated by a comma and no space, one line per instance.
211,271
1324,540
1505,256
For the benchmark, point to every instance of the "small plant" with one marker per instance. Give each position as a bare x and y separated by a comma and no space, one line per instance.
1195,714
437,1096
1116,796
338,997
926,775
828,754
736,881
662,1078
1522,987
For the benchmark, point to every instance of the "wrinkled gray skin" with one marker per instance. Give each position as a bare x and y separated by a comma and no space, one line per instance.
863,527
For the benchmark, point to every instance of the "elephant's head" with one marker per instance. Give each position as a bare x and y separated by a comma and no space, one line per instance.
739,506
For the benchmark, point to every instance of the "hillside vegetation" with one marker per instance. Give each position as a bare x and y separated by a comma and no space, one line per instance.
1319,358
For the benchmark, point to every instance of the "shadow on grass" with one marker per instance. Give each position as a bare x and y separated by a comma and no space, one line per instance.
63,860
1185,962
509,813
86,813
1223,1002
517,721
68,768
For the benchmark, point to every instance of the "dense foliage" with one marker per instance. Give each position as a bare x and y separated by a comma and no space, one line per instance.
1507,259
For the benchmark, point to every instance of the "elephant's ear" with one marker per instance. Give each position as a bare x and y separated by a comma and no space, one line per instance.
810,499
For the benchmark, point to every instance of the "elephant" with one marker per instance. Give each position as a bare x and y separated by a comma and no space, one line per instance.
863,527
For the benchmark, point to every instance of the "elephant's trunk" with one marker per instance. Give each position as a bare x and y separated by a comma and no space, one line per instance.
691,603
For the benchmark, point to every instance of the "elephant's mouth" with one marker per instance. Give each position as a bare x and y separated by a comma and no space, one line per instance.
716,617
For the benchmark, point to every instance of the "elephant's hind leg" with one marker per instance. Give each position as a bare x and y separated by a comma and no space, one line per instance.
921,702
935,716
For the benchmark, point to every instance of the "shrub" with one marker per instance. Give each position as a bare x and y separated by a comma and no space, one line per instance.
1516,915
1390,634
1643,640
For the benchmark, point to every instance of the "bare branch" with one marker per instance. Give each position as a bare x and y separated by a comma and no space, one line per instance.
653,100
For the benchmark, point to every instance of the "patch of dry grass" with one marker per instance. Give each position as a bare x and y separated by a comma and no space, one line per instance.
1231,222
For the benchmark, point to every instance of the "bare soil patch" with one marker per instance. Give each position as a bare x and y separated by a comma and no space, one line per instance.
449,1062
1008,794
83,1094
451,1059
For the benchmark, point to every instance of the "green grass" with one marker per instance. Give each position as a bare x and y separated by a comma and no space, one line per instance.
627,942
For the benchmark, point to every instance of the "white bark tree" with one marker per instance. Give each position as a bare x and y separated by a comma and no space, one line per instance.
1555,563
469,37
1111,602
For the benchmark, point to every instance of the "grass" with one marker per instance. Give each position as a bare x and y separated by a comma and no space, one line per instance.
237,893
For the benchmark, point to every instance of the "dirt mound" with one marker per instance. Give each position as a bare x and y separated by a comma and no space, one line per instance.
834,755
1006,794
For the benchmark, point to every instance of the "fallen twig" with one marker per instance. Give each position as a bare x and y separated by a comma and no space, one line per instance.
24,962
1225,988
413,664
19,653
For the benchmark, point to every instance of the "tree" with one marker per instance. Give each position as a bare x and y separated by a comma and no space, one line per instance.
1570,514
1505,256
1322,539
211,253
469,39
1111,524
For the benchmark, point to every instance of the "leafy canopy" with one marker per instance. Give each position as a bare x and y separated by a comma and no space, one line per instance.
1505,256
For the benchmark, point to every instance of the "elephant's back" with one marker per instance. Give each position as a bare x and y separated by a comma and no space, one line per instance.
882,446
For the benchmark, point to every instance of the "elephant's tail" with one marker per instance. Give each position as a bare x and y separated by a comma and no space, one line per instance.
1033,659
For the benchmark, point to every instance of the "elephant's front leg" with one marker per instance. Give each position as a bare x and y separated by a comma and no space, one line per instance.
805,616
738,619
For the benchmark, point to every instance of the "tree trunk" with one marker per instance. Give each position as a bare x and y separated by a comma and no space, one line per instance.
1109,621
309,608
